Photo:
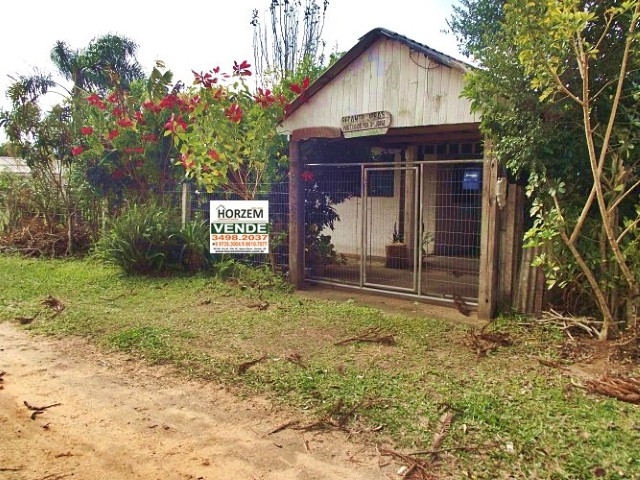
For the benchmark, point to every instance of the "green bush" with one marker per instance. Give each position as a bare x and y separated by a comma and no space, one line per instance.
193,239
15,201
141,240
149,240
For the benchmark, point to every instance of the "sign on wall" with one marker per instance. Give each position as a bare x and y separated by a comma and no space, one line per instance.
239,226
363,124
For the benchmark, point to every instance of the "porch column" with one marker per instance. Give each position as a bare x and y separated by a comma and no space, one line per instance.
489,237
296,217
296,199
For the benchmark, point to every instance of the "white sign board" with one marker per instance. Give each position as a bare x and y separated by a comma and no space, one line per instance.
239,226
363,124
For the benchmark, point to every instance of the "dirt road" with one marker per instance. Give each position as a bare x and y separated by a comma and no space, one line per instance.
118,418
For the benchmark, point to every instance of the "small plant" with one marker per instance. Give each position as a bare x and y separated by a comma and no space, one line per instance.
322,252
397,237
194,251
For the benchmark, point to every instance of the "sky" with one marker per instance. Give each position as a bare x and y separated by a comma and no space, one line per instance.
194,34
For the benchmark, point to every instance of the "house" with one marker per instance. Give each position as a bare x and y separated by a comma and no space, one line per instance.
386,146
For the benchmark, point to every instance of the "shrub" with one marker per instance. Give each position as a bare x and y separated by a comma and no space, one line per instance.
142,240
15,201
194,251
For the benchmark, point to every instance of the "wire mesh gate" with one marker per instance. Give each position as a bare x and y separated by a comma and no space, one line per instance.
411,228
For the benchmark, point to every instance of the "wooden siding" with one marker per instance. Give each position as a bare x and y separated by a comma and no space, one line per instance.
415,89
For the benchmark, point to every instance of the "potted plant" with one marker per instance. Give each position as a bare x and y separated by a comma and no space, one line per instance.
396,252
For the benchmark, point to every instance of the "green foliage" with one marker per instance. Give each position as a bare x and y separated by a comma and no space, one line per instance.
148,239
142,240
193,237
16,201
557,93
122,144
228,140
153,343
107,61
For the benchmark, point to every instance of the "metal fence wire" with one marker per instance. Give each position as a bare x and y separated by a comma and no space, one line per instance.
196,204
412,228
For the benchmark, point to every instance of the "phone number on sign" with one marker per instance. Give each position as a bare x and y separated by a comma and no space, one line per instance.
242,237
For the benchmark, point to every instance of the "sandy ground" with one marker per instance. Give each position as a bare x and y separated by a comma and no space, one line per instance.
118,418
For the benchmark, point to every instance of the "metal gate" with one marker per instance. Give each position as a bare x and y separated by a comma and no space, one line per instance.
390,234
410,228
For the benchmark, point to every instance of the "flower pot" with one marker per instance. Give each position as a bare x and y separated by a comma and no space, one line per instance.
396,256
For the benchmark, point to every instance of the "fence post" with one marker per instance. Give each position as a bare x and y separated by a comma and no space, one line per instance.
186,203
296,216
489,238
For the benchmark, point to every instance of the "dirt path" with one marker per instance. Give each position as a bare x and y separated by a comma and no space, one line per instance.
121,419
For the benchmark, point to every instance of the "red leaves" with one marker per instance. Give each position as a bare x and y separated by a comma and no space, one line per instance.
241,69
133,150
151,106
186,161
264,98
175,124
75,151
125,122
208,79
300,88
96,101
139,116
234,113
213,155
118,174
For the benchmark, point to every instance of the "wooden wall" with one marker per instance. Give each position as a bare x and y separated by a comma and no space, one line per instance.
388,76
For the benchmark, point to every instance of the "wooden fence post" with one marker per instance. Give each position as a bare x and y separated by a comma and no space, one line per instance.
296,217
489,238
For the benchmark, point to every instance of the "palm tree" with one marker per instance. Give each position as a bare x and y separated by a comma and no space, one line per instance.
108,61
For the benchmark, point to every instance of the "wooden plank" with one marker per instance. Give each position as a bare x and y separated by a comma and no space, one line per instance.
508,246
406,101
489,238
373,57
422,71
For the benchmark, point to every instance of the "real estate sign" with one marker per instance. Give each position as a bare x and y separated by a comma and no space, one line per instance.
239,226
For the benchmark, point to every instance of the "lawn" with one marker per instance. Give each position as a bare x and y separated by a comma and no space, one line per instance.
516,411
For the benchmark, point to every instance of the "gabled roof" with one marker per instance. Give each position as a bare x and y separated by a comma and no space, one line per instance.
363,44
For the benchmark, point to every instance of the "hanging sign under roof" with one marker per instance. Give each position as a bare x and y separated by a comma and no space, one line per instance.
364,124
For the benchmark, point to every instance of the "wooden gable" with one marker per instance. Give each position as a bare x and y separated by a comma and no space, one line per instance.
386,72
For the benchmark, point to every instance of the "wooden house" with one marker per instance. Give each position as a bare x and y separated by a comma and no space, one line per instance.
386,140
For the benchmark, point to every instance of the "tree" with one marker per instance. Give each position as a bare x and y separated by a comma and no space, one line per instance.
282,46
122,143
228,139
558,90
44,141
48,140
108,61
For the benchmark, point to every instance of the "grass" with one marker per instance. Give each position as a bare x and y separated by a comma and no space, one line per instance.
514,418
